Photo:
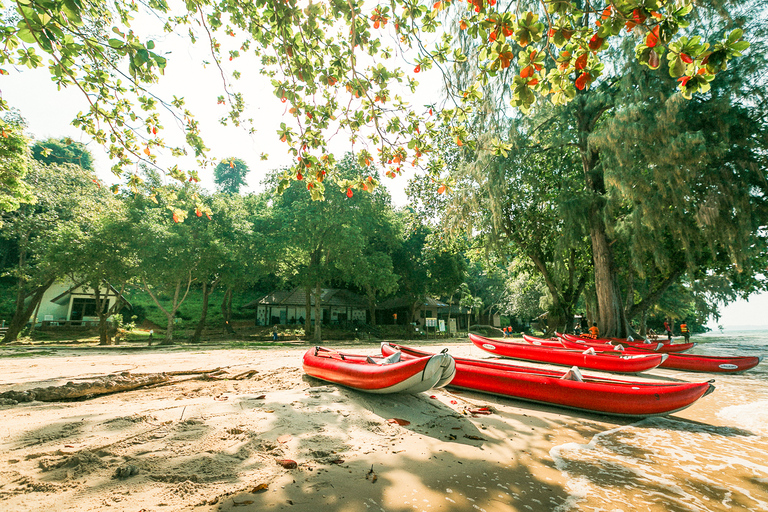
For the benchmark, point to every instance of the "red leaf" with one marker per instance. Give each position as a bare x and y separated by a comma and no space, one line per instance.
581,61
582,81
198,212
527,72
685,58
684,79
417,69
349,192
288,463
595,43
176,217
441,189
652,38
260,488
398,421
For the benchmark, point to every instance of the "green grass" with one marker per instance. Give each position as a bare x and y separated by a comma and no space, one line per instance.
191,308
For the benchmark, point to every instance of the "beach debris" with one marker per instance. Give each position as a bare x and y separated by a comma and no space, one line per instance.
451,437
288,463
245,375
454,402
221,398
337,461
371,475
481,410
242,503
434,397
260,397
473,437
284,438
126,471
260,488
398,421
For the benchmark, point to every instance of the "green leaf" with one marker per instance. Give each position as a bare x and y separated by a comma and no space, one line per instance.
115,43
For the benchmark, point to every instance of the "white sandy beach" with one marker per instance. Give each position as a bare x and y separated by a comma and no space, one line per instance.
224,444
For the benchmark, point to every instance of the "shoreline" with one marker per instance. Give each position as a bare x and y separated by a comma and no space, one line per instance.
208,445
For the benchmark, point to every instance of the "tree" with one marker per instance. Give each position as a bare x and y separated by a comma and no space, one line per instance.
65,198
334,240
14,161
598,196
96,255
313,57
166,250
62,151
230,174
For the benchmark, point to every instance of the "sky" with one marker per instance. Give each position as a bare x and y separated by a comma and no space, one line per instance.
49,112
744,314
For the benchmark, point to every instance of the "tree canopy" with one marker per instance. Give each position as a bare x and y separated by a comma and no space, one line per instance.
330,63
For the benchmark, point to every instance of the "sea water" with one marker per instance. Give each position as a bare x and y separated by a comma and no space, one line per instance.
712,456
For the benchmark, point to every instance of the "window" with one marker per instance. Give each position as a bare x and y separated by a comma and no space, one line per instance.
82,307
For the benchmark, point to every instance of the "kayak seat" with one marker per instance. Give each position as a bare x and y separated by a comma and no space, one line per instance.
394,358
573,374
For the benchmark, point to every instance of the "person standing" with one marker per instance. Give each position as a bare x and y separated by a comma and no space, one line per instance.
668,328
685,332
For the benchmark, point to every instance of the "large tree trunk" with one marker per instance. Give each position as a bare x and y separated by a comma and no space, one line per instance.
104,338
318,313
610,309
203,313
308,310
22,313
226,310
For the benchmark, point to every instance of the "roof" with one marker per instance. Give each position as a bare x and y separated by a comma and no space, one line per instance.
63,298
402,302
297,297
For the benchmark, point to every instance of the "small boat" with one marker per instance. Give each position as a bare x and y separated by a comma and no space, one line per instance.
380,374
569,388
694,362
666,348
603,361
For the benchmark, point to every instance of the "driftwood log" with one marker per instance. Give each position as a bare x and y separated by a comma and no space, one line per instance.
75,391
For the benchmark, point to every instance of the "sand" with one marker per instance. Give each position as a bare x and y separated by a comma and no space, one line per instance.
276,439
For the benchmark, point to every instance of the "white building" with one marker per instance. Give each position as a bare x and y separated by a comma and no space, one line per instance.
67,304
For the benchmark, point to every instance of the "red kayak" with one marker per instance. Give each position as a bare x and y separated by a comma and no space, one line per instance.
380,375
693,362
660,347
604,361
593,394
544,342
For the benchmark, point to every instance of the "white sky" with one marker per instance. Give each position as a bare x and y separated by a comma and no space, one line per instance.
751,313
49,112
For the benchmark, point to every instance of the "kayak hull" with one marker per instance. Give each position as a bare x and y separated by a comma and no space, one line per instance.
605,361
593,394
694,362
357,372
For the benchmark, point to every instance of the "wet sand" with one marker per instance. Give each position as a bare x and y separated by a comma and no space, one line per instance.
208,445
